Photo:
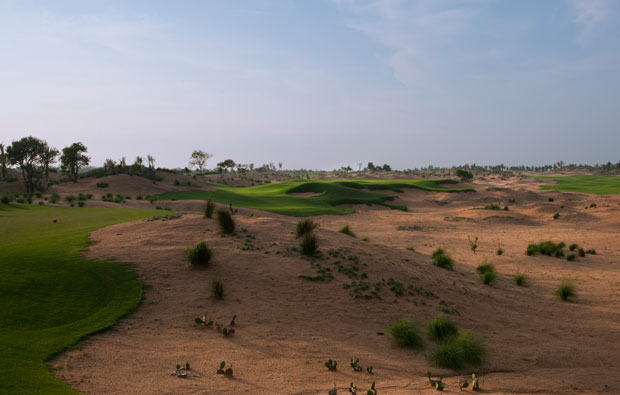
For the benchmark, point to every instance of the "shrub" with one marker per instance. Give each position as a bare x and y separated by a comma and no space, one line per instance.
346,230
70,198
442,259
209,208
139,197
442,328
54,198
556,215
81,203
6,198
565,291
573,247
406,334
591,251
459,351
546,248
493,206
500,251
200,254
520,280
305,226
217,285
571,257
487,273
102,185
581,252
225,221
309,244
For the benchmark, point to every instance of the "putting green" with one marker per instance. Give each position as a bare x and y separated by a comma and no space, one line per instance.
597,185
277,198
50,295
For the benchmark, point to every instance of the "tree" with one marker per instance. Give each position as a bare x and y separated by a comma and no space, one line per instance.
28,153
371,166
151,161
280,165
387,167
199,158
227,164
3,161
464,175
48,157
109,167
72,159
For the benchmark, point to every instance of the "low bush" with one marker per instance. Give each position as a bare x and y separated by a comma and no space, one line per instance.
442,328
546,248
573,247
556,215
442,259
459,351
309,244
591,251
520,280
217,286
81,203
406,334
487,273
493,206
571,257
209,208
225,221
102,185
200,254
346,230
305,226
70,198
6,198
565,291
54,198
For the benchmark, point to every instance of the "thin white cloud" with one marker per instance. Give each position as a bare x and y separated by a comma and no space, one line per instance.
589,15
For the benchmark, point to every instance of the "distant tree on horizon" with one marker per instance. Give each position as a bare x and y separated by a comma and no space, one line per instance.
151,161
280,165
48,157
27,153
72,159
3,161
199,158
227,164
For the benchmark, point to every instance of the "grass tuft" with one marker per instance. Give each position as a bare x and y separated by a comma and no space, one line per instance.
225,221
442,259
305,226
346,230
217,286
209,208
520,280
565,291
406,334
487,273
309,244
442,328
459,351
200,254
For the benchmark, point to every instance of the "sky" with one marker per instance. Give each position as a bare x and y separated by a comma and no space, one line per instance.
316,84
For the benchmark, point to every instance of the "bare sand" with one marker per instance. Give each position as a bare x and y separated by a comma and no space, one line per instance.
288,327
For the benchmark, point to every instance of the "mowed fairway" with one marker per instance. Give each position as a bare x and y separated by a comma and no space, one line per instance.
598,185
277,197
50,295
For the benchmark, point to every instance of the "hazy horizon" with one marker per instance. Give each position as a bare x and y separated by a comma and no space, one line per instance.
316,85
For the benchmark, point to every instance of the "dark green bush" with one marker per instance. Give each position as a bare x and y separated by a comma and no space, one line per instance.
309,244
102,185
54,198
217,286
200,254
493,206
209,208
346,230
459,351
406,334
225,221
442,328
571,257
573,247
487,273
305,226
442,259
521,280
546,248
591,251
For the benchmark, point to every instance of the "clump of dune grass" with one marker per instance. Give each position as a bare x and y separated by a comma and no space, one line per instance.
459,351
217,286
225,221
406,334
487,273
200,254
305,226
442,328
346,230
565,291
309,244
442,259
209,208
520,280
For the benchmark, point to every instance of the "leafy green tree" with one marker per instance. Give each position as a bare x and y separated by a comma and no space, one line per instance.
72,159
464,175
3,161
28,154
48,157
151,161
387,167
227,164
198,159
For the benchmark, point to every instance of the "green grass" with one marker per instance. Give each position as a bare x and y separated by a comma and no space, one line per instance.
442,328
460,351
598,185
276,198
406,334
50,295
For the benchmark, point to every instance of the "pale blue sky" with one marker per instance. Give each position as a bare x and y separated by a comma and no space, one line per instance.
316,83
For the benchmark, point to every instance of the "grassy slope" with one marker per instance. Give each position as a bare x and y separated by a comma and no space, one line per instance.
275,197
598,185
50,295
